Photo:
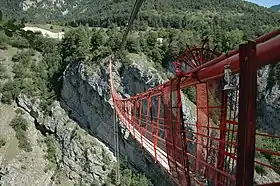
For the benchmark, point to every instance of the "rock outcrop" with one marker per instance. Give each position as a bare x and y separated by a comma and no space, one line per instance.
268,119
268,103
17,167
81,157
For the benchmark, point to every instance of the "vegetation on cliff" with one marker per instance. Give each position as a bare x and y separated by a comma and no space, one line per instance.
20,126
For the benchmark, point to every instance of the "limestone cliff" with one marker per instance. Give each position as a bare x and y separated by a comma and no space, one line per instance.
268,103
268,119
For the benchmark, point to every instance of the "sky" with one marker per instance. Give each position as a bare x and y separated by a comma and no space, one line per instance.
267,3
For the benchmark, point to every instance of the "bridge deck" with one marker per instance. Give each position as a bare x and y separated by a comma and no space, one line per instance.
161,156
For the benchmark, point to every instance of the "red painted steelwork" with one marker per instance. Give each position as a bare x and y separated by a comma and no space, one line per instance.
194,57
202,124
234,52
222,146
267,53
204,150
247,116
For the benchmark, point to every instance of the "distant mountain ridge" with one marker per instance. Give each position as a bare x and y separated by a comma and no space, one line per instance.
276,7
39,10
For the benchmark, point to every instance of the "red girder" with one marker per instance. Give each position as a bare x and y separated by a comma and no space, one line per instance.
162,131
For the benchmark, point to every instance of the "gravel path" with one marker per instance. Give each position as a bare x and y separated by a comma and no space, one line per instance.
45,32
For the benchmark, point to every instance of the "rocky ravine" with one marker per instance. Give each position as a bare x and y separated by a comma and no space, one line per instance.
82,156
86,95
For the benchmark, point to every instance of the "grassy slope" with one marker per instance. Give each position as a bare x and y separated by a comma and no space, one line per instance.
29,164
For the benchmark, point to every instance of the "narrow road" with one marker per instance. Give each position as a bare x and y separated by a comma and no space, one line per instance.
45,32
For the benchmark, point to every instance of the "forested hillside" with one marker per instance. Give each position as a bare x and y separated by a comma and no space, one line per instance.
205,16
226,23
275,7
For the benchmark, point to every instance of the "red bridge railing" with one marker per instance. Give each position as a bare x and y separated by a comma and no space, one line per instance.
218,147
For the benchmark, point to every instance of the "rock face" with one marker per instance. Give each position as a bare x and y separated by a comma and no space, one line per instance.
17,167
86,95
81,157
268,119
268,104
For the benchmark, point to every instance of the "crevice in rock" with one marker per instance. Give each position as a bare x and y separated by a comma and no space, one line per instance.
42,128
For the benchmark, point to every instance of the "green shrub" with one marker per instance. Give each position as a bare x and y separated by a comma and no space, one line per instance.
133,44
20,71
122,56
51,149
3,37
20,125
129,178
191,93
11,90
19,111
30,52
101,51
152,38
24,57
260,170
2,141
7,97
3,71
19,42
268,143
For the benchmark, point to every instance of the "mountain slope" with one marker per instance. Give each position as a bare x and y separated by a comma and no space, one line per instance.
197,15
276,7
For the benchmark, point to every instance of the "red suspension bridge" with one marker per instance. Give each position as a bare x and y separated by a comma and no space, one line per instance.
219,147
